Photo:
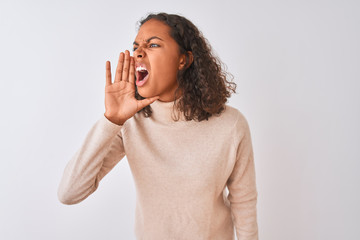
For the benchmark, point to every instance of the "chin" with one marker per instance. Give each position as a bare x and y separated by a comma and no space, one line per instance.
144,94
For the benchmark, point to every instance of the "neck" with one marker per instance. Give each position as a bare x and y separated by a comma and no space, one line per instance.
167,112
172,97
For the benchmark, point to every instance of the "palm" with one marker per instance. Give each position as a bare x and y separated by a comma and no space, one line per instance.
120,101
119,93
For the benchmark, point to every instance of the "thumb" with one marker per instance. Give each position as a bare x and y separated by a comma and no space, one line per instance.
145,102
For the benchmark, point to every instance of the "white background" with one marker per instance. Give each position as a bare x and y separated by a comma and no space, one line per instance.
297,67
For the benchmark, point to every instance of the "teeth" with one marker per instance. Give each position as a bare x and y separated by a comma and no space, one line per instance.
138,69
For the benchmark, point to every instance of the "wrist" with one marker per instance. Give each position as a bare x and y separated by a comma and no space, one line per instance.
115,121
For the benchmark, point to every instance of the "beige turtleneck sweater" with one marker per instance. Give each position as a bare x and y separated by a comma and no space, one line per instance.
181,171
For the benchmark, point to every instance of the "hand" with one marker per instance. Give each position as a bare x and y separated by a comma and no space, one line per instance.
120,101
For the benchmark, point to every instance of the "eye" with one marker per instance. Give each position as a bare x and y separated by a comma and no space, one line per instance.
152,45
134,49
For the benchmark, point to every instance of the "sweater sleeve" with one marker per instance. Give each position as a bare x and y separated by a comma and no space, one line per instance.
242,185
99,153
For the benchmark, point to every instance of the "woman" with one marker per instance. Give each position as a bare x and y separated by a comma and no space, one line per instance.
166,112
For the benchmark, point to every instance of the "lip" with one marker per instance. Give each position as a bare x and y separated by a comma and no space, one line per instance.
142,82
139,64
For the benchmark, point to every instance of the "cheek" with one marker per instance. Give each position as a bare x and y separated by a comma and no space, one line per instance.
163,66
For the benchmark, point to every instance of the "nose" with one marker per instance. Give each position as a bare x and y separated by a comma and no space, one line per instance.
139,53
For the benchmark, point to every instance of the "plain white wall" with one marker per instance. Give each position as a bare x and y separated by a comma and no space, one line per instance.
297,67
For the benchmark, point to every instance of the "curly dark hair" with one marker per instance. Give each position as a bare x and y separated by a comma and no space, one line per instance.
204,85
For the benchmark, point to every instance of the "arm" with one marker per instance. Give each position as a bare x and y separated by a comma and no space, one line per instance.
99,153
242,186
103,146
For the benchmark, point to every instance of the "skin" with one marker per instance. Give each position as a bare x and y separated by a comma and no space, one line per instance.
162,59
154,47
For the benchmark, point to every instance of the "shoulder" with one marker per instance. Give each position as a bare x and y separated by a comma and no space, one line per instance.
236,121
234,116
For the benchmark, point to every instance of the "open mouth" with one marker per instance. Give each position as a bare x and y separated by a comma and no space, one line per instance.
141,75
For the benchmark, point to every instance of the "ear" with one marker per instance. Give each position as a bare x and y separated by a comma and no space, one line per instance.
183,64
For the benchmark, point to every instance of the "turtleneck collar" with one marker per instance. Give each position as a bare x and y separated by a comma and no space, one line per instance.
166,112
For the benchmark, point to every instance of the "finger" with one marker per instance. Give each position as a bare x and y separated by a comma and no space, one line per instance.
119,68
132,71
108,73
143,103
125,71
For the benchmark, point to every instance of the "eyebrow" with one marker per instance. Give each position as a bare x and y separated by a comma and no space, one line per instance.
148,40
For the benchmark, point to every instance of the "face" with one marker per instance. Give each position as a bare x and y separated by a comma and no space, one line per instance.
157,61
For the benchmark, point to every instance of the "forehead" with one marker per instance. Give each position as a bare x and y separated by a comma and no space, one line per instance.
152,28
